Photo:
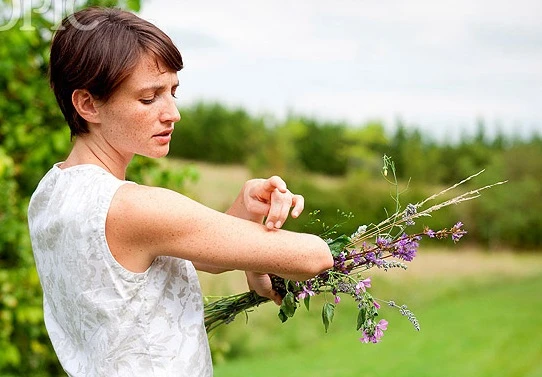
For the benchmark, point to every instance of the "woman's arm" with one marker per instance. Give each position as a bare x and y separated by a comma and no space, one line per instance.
258,199
145,222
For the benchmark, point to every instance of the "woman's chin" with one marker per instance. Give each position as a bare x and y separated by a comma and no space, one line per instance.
158,153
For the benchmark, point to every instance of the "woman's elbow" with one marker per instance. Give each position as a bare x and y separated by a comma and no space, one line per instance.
327,261
321,258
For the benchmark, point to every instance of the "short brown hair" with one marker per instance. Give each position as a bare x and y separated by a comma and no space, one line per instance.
96,49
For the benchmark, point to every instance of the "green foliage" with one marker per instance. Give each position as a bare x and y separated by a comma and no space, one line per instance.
512,217
277,154
328,312
301,147
134,5
365,147
322,147
29,129
33,136
415,157
337,245
211,132
288,307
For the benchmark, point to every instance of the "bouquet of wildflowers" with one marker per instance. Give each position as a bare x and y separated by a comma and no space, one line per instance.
386,245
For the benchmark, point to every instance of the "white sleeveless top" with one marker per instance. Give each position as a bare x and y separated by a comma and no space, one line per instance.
104,320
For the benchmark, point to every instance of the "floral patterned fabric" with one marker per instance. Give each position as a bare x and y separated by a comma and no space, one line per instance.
104,320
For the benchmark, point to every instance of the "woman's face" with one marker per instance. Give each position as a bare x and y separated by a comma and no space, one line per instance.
139,117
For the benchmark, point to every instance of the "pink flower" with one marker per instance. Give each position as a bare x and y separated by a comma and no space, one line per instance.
380,328
304,293
361,285
377,334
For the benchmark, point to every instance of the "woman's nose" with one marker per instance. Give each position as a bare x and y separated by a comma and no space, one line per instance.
171,112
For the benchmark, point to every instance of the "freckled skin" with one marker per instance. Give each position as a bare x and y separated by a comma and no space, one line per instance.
146,222
129,124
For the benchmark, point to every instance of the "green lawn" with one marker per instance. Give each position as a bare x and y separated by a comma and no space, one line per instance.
472,328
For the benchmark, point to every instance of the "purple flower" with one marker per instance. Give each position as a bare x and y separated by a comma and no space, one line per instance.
406,247
457,232
340,263
376,304
335,292
362,285
305,292
371,257
356,257
382,242
429,233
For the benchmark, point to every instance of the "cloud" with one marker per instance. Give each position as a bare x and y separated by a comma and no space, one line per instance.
428,62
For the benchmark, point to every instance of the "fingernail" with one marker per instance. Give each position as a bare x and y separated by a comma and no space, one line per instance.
277,224
270,225
294,213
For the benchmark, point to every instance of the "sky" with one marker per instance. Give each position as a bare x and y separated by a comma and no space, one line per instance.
438,66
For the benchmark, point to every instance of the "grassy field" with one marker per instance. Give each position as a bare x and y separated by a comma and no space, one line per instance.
481,320
480,314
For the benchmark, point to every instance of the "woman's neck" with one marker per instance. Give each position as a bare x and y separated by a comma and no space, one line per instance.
86,151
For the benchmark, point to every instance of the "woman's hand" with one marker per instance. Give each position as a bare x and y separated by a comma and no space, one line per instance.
268,198
261,284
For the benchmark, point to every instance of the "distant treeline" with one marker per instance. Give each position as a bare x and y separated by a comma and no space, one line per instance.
507,216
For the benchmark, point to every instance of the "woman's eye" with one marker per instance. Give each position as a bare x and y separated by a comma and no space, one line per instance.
147,101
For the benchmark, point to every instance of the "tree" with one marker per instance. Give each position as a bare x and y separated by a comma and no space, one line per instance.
322,149
214,133
366,146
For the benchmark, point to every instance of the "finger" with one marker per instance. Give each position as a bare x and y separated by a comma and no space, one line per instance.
280,207
275,182
256,199
266,290
272,295
298,202
273,215
257,207
276,298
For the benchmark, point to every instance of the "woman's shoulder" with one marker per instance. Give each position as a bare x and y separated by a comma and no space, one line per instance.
142,203
77,183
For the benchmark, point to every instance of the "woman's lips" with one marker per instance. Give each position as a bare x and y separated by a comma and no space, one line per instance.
164,137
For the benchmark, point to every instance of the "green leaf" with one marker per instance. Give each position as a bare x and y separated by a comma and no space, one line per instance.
289,305
328,310
283,318
338,244
362,316
307,301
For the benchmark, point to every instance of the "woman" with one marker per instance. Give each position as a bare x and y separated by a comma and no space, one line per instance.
116,259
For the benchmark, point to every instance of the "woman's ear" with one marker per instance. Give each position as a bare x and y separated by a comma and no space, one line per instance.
86,105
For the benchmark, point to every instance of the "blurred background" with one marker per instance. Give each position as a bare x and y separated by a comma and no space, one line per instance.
318,93
437,65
